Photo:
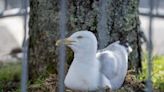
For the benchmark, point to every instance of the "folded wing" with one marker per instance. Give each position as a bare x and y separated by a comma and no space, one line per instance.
114,63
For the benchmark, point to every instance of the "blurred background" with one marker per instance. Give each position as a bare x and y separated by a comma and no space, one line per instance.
11,42
12,34
158,22
11,29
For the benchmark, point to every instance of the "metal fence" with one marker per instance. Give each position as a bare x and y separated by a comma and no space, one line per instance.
24,10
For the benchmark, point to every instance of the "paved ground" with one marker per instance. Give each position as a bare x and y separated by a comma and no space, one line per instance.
11,36
158,33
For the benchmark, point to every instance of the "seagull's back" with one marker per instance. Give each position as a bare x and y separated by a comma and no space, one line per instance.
114,64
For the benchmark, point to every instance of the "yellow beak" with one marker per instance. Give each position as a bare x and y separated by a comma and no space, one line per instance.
66,41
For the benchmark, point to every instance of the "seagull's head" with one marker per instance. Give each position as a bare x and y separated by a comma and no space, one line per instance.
81,41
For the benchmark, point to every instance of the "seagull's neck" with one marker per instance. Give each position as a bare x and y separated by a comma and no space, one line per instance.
83,56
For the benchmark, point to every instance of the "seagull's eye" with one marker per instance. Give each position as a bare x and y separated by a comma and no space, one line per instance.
79,37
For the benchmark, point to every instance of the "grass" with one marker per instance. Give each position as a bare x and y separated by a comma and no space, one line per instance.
10,77
157,73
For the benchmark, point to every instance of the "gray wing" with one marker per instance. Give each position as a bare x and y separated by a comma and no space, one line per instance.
108,64
113,63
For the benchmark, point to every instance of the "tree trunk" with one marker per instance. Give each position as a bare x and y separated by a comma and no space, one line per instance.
122,24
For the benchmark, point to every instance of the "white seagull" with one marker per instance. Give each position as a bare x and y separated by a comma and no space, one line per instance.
92,69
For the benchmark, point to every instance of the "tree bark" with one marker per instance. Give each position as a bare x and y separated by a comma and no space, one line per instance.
122,24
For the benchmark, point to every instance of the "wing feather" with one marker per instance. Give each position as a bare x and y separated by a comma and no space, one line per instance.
109,64
113,63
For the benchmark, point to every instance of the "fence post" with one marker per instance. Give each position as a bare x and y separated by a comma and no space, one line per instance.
150,48
62,48
24,77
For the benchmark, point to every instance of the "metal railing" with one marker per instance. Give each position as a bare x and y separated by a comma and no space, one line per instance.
62,48
150,48
24,77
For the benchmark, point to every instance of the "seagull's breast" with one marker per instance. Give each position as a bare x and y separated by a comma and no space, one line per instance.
83,76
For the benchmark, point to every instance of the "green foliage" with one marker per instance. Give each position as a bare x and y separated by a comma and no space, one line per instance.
38,82
157,74
10,77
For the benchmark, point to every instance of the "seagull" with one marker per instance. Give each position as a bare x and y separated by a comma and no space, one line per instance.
93,69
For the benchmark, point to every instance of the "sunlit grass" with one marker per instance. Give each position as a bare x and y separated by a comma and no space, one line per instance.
157,73
10,77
